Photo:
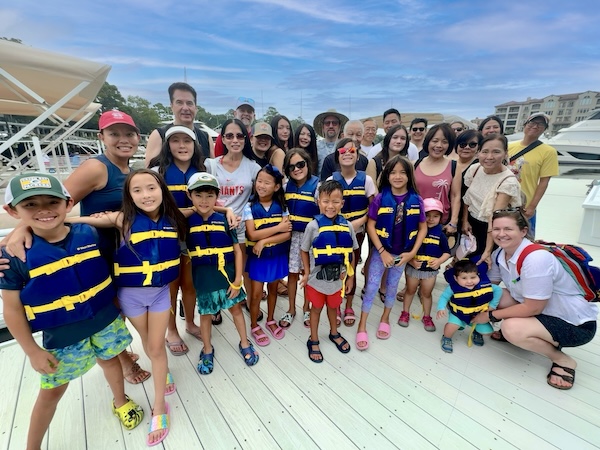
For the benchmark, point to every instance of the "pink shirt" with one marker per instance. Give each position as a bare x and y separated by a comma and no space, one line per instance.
436,186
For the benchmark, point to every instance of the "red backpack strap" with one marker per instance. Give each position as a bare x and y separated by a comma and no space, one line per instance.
526,251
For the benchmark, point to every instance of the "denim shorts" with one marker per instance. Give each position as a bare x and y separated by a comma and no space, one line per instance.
566,334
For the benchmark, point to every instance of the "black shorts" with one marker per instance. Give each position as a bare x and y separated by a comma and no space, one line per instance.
566,334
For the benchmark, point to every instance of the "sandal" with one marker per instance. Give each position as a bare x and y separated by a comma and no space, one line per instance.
134,356
158,423
282,288
196,334
477,339
384,331
362,336
349,317
179,344
342,345
286,320
249,354
260,313
206,362
306,319
278,333
217,318
130,414
170,385
262,339
338,316
400,295
136,374
568,378
312,352
381,295
498,336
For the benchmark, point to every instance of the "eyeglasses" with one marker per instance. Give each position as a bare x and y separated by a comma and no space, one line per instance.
457,130
469,144
536,124
418,129
230,136
299,165
346,150
328,123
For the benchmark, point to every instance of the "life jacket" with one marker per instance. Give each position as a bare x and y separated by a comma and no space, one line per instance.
66,285
201,136
151,255
267,219
356,202
386,219
467,303
430,248
177,182
301,202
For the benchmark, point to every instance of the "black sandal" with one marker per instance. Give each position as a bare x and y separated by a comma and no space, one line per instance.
217,318
341,345
498,336
568,378
260,313
312,351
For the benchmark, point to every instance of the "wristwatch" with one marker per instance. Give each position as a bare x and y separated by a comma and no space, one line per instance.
492,318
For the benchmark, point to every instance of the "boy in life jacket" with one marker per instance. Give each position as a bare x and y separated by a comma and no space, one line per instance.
467,295
64,289
327,246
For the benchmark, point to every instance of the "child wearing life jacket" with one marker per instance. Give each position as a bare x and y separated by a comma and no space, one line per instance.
300,197
359,191
268,233
327,249
396,228
468,293
64,289
217,267
146,261
423,269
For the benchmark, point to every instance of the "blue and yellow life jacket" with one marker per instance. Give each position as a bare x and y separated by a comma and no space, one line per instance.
386,219
151,255
177,182
467,303
301,202
356,202
267,219
430,248
66,285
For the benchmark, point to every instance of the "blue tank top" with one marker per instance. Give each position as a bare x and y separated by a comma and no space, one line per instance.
110,197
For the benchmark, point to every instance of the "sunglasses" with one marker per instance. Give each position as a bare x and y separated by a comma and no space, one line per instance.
457,130
498,212
239,136
468,144
418,129
328,123
298,165
346,150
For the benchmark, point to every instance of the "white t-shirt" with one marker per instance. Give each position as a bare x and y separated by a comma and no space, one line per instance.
543,278
413,151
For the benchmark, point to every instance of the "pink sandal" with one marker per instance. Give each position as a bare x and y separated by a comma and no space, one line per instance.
384,331
362,336
278,332
349,316
261,340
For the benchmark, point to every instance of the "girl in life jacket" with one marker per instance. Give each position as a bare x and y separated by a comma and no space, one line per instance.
300,197
359,191
422,270
396,228
268,233
146,261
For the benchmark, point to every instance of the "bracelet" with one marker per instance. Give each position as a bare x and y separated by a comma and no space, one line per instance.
237,287
380,250
492,318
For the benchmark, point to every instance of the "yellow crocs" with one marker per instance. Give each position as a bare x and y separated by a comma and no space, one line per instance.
130,414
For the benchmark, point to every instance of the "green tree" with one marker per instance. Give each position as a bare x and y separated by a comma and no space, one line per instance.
15,40
142,112
271,112
164,112
296,123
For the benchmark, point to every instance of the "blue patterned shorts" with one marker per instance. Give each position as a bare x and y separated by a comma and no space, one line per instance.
76,359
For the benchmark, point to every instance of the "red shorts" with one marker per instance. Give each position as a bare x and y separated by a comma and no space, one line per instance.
318,299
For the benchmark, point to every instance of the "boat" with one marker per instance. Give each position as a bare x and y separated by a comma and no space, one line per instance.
579,144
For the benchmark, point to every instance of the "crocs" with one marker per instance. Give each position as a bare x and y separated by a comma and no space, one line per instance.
206,362
130,414
249,354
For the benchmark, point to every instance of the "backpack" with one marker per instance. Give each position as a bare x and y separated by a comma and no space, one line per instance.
575,260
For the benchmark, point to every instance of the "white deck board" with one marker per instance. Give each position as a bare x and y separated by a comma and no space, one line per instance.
402,393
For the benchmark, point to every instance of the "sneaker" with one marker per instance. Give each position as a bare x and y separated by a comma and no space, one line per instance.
446,344
404,318
428,323
477,339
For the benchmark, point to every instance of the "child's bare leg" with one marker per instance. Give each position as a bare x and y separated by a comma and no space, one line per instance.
172,332
254,299
240,324
114,377
42,414
292,291
411,288
427,286
315,315
205,332
188,295
450,329
271,299
385,316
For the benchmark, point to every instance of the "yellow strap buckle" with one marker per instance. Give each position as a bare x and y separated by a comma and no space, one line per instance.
48,269
146,269
136,238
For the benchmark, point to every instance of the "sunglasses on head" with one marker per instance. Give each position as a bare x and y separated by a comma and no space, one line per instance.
346,150
418,129
230,136
469,144
498,212
298,165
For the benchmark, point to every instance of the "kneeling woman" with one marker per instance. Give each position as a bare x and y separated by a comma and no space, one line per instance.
542,307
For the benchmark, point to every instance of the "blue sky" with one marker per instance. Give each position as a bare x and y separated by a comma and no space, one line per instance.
306,56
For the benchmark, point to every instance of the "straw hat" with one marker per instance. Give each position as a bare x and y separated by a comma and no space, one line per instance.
318,122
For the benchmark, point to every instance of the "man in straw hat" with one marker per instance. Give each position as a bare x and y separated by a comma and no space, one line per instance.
328,124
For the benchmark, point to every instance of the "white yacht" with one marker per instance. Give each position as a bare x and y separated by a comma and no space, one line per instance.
579,144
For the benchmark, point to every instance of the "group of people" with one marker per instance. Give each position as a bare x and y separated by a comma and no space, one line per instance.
217,222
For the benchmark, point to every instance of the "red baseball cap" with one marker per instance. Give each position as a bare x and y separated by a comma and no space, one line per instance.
115,116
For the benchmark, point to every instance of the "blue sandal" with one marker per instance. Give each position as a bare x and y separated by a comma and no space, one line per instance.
312,352
249,354
206,363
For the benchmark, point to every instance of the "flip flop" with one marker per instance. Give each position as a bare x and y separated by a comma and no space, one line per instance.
349,316
217,318
261,340
170,382
384,328
306,319
278,333
171,345
136,372
362,336
160,422
340,346
568,378
196,335
312,351
286,320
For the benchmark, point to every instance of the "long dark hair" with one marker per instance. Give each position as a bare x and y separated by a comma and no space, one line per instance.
312,146
168,207
165,158
384,181
278,195
385,147
448,132
341,143
247,150
302,154
487,119
274,125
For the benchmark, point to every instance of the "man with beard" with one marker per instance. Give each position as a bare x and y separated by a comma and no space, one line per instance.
328,124
245,112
